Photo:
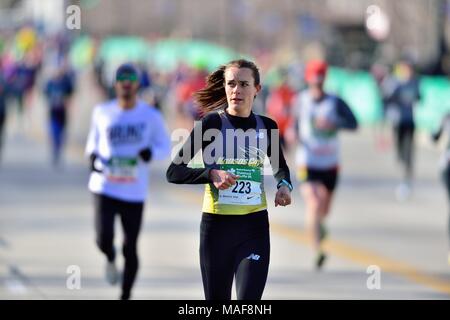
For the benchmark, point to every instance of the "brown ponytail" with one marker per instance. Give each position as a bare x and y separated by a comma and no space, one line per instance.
213,96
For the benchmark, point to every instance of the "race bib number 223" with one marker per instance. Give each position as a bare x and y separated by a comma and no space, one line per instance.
246,190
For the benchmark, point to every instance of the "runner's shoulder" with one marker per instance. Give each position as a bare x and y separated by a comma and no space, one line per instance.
302,97
149,110
269,123
211,116
339,101
211,120
105,106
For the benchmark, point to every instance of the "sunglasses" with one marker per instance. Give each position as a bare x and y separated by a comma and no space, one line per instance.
127,77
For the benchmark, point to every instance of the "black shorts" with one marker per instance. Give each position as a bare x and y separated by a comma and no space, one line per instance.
328,177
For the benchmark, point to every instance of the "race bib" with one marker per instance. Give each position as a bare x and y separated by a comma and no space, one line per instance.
246,190
122,170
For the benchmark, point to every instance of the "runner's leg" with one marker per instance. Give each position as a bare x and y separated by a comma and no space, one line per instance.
216,258
105,210
131,217
252,267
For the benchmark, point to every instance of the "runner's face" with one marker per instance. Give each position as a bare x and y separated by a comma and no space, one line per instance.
316,88
317,81
240,89
126,87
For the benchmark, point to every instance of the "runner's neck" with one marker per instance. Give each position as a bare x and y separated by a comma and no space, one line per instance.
127,104
242,122
317,94
240,114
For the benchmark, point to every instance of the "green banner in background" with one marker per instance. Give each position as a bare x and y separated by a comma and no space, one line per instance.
359,90
82,52
435,102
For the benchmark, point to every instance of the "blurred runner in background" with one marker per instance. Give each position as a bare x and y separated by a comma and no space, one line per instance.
125,135
58,90
401,105
279,107
319,116
385,85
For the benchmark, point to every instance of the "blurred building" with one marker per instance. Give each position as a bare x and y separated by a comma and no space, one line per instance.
48,14
415,27
351,33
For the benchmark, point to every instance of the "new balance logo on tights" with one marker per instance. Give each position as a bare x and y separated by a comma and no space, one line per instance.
253,256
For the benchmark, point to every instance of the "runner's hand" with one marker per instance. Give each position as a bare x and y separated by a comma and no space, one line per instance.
145,154
93,157
283,197
221,179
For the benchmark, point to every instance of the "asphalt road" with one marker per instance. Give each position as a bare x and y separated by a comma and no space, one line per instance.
46,226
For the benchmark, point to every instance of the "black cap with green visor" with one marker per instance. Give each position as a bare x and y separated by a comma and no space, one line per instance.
127,72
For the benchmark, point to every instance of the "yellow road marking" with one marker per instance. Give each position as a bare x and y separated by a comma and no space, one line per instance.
366,258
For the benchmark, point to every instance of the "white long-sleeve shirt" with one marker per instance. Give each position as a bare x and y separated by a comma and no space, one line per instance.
319,149
116,137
